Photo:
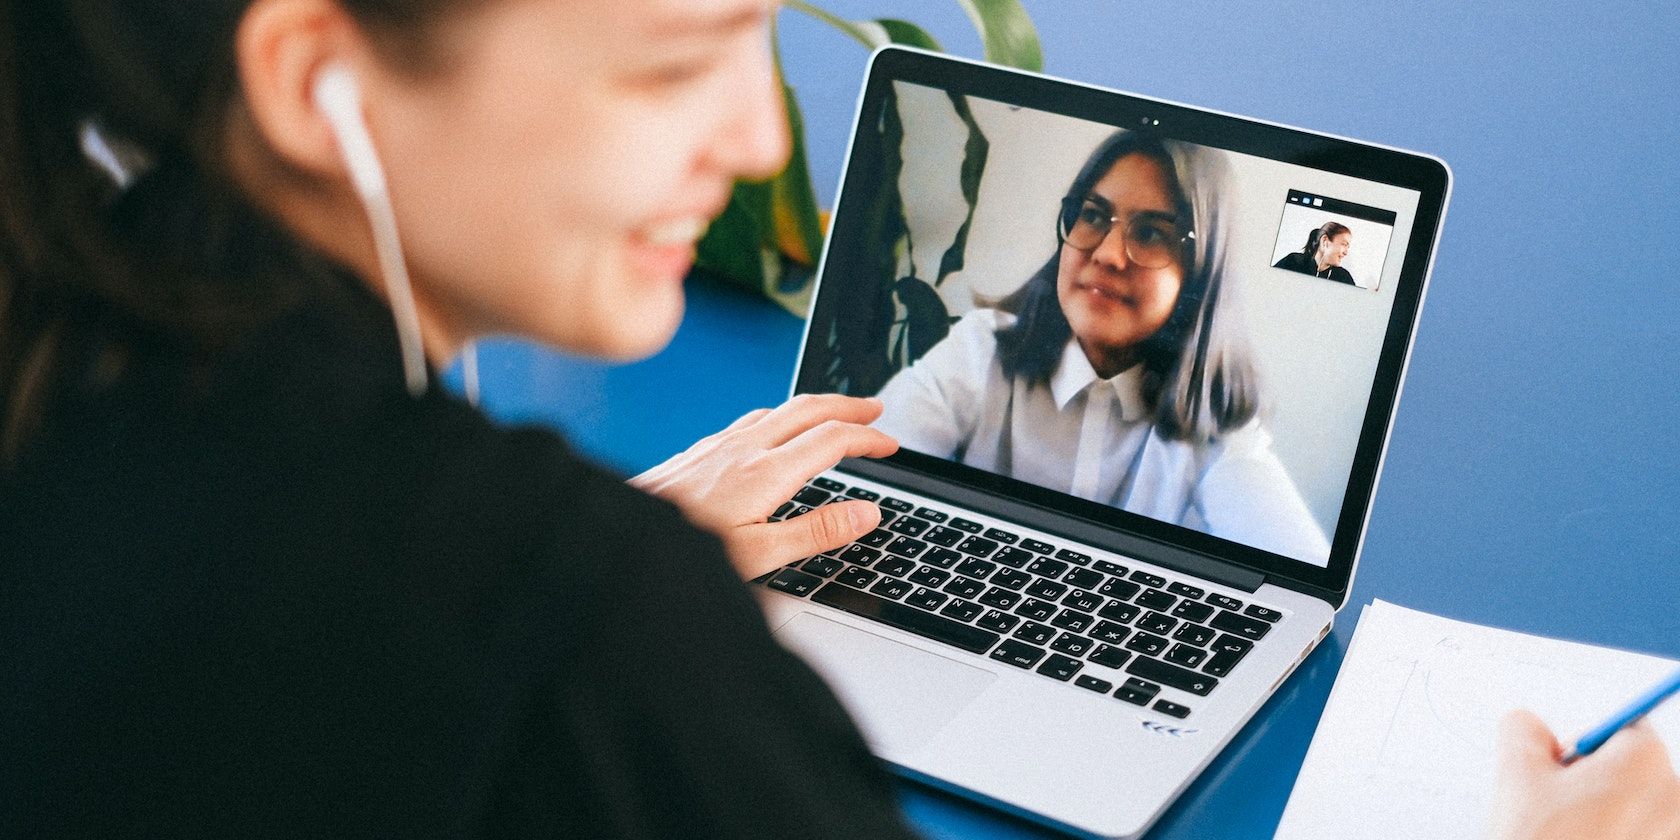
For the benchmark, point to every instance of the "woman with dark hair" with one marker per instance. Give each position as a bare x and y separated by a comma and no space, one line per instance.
1119,371
259,575
1327,245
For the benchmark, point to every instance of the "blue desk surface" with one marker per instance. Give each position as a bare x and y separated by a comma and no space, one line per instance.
1533,477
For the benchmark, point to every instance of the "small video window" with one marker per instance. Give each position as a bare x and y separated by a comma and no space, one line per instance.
1333,239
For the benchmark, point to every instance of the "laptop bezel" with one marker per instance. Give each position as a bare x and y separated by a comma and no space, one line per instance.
1427,175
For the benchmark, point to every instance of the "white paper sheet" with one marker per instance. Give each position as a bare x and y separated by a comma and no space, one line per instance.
1406,746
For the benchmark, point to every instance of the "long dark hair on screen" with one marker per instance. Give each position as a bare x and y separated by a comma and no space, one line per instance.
121,231
1328,230
1199,377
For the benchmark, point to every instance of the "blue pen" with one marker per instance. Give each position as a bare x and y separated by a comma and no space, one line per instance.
1634,711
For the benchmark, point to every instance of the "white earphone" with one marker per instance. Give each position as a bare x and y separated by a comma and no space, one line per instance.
339,99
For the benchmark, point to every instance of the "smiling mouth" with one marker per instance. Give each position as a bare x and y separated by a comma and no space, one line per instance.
1106,294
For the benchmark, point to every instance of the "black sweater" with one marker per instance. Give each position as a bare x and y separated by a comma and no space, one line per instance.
275,596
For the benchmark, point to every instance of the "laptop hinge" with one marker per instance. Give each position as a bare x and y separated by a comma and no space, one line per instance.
1060,524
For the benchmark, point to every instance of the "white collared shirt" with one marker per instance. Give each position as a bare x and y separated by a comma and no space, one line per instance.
1093,438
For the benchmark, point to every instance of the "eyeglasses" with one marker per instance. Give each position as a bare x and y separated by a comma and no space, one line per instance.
1151,241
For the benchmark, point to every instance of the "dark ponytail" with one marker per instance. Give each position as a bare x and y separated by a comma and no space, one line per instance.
160,250
1318,234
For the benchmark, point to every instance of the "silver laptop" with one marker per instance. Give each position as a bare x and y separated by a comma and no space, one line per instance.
1142,359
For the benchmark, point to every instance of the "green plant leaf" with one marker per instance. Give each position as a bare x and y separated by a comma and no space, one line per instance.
926,320
908,34
1006,31
975,151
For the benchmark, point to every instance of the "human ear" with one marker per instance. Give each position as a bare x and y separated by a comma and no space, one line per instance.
281,49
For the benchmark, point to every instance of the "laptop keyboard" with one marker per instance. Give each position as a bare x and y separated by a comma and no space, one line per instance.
1027,603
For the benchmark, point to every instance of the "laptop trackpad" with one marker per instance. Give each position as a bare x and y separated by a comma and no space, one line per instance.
901,696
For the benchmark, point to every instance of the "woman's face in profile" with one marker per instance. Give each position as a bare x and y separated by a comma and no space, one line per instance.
1336,248
553,180
1110,301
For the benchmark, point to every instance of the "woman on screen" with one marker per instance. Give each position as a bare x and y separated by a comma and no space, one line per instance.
1118,372
1327,245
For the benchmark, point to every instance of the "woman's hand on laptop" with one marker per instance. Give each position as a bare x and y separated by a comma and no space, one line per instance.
1626,790
731,482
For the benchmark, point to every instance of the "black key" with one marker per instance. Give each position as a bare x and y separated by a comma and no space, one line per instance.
1046,588
1109,656
932,515
929,576
962,610
1011,579
1013,557
1194,634
998,621
891,588
1227,652
1147,644
1154,599
887,518
906,547
1262,613
1109,567
854,576
783,511
1183,654
943,536
798,510
1038,634
1185,590
905,617
1117,588
1036,610
1148,579
828,484
894,565
1060,667
811,496
974,567
1072,644
1192,611
1079,599
1073,620
967,525
898,505
795,583
1154,623
860,493
1001,535
944,558
858,555
1168,707
1119,612
1248,628
1088,681
1046,567
1108,631
926,599
1074,557
822,566
1019,654
876,538
1083,578
1137,691
1001,598
964,587
977,546
1155,670
909,526
1225,602
1035,545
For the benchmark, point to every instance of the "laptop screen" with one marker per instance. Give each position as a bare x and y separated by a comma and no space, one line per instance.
1116,313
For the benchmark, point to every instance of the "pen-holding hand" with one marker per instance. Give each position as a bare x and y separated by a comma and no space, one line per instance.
732,481
1626,790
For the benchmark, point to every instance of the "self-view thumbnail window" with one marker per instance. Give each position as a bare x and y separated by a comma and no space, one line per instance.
1333,239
